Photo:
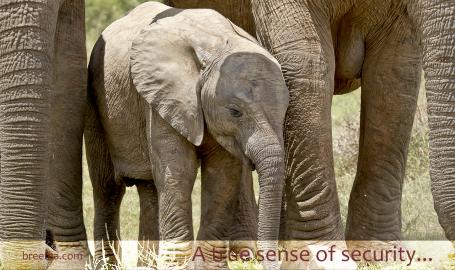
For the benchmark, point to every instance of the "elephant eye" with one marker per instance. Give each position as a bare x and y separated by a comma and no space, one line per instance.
235,113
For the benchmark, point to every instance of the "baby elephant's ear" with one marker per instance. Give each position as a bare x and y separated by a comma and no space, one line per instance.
165,71
243,33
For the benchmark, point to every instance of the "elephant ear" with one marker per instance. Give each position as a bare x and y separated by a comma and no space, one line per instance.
165,70
243,33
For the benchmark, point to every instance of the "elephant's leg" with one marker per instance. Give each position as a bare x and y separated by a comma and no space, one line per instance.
244,232
174,162
299,36
435,20
390,83
26,69
148,222
220,182
107,196
304,49
107,191
107,200
65,216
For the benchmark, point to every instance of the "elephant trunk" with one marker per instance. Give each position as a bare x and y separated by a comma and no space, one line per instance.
26,50
266,152
436,19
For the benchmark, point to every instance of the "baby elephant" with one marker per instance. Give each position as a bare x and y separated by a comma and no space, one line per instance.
168,89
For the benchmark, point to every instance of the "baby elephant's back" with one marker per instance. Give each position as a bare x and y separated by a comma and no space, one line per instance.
121,108
110,60
115,42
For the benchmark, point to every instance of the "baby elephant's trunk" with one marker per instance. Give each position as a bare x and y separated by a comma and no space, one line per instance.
266,152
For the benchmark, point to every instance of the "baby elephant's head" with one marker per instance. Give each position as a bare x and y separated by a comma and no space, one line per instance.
228,84
244,100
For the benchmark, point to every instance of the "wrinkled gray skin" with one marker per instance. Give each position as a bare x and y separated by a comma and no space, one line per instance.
42,83
326,47
169,90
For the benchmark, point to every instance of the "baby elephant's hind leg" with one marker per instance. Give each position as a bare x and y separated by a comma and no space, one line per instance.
107,201
148,223
108,192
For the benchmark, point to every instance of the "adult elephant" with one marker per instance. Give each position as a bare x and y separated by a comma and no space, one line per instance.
42,100
326,47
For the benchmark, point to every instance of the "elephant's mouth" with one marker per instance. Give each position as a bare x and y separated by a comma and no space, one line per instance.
251,165
248,162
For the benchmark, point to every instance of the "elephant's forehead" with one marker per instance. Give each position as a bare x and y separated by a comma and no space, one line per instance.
249,66
252,69
250,77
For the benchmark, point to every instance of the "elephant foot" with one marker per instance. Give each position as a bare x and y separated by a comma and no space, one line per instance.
364,247
244,250
451,257
211,255
316,255
108,254
175,255
376,252
147,251
70,255
23,254
372,244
